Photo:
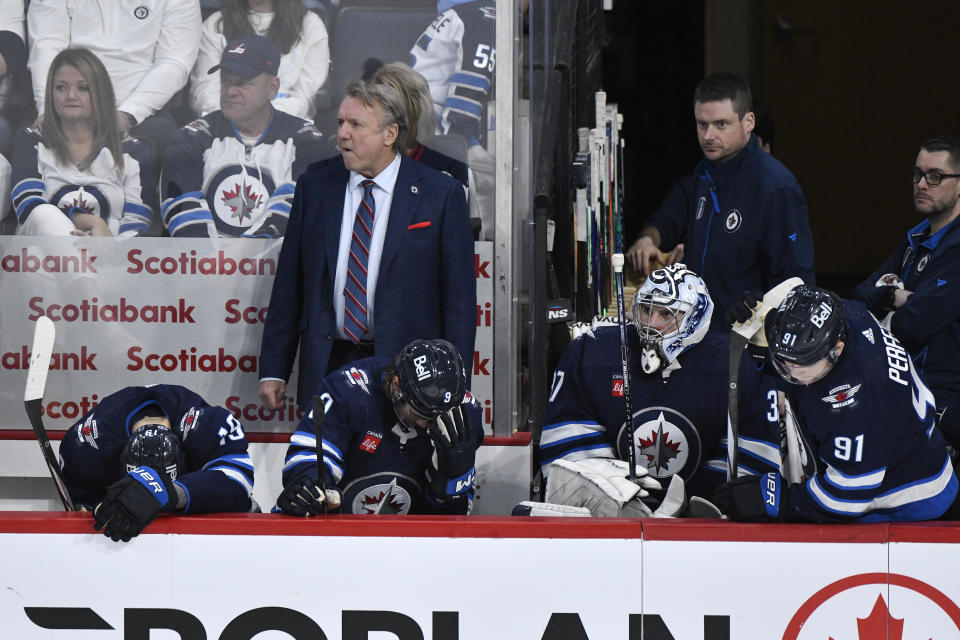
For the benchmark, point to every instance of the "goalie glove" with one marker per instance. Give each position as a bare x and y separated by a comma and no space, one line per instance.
751,498
450,473
743,307
305,497
600,485
132,502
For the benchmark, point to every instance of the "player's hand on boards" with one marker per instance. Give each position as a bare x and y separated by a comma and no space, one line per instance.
305,497
743,307
746,498
132,502
451,470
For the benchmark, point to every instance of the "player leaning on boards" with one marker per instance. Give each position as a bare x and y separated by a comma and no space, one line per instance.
148,450
399,435
869,448
678,380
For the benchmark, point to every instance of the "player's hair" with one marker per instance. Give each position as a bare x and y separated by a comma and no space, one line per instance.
415,92
103,106
390,101
725,86
950,144
285,29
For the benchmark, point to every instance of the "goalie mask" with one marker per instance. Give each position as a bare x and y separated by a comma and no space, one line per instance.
803,334
671,312
154,446
431,377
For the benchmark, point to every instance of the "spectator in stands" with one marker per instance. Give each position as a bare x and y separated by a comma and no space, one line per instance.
337,301
76,173
14,82
148,50
416,98
299,34
143,451
399,435
741,218
232,172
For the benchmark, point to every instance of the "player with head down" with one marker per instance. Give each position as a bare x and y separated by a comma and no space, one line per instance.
159,449
861,437
398,435
678,379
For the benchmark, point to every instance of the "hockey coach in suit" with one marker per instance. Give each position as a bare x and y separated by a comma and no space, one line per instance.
378,252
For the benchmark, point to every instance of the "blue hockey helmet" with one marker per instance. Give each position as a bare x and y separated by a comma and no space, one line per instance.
671,311
155,446
803,331
431,377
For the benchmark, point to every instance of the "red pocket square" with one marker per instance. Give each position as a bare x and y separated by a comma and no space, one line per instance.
419,225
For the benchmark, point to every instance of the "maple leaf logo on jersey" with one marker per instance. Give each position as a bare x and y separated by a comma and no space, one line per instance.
659,449
879,624
841,396
241,202
78,202
383,501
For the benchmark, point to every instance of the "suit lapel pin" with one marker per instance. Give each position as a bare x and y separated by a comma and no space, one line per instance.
414,190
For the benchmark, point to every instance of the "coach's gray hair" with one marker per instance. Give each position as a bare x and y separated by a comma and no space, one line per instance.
416,96
390,101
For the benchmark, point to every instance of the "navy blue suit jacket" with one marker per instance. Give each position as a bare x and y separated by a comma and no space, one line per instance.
425,287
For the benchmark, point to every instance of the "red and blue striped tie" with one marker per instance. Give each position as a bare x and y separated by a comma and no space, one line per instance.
355,291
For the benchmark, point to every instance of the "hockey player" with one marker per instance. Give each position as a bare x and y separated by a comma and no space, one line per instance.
398,436
147,450
232,172
678,381
862,418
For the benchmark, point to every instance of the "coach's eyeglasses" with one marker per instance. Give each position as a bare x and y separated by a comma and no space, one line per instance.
933,178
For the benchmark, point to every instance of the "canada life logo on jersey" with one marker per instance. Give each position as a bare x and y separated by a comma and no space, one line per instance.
665,441
371,441
875,606
616,389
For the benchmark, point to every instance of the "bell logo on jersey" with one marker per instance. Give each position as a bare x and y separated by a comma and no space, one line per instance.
422,372
841,396
616,390
371,441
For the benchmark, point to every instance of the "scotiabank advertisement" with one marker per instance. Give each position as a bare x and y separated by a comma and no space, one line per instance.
159,310
407,578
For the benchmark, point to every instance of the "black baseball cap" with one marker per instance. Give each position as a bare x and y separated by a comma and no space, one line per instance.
249,56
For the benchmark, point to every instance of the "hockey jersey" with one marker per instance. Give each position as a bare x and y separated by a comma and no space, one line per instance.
457,56
378,463
679,421
214,184
869,427
121,197
219,472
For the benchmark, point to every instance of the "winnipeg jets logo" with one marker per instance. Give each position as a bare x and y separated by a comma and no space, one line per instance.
489,13
89,433
382,498
242,201
85,198
841,396
238,50
868,334
357,377
665,441
733,221
189,422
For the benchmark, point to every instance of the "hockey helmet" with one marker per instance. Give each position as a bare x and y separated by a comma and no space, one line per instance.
154,446
804,330
431,377
671,311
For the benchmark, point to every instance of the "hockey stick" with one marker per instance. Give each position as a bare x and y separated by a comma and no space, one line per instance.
43,336
617,261
740,334
318,417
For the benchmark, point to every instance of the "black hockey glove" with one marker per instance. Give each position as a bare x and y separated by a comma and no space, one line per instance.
751,498
880,300
451,472
305,497
742,308
132,502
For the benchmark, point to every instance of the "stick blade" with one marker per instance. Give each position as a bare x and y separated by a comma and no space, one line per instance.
43,337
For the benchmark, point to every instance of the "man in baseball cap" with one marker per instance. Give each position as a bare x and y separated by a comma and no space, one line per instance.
249,56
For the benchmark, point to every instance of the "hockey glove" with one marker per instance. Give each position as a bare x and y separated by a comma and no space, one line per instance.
132,502
451,472
601,485
305,497
750,498
742,308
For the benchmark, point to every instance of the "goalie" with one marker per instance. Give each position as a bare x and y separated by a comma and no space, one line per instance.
678,381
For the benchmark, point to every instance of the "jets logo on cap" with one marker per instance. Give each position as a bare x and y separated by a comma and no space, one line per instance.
238,50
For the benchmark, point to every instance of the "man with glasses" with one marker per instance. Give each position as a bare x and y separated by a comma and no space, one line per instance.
399,435
740,220
916,290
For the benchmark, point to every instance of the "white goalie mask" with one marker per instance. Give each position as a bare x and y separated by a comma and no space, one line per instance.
671,312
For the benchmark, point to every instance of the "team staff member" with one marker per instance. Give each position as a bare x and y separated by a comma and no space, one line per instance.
147,450
399,435
740,220
926,308
378,252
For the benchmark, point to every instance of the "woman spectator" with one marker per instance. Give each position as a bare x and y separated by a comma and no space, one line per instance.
299,34
75,174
